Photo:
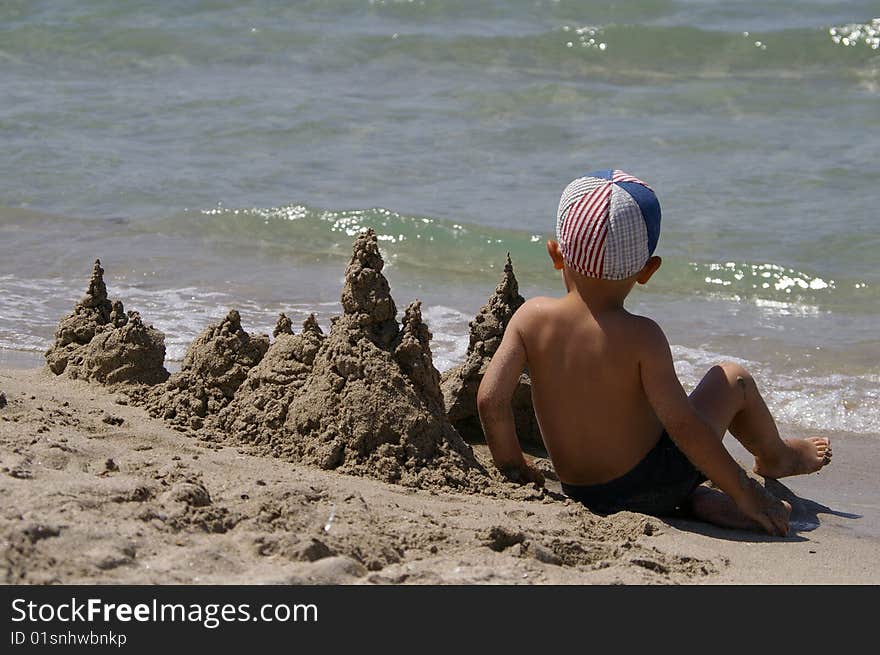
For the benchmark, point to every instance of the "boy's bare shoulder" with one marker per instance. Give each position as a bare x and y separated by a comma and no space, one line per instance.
535,309
540,304
532,313
647,333
644,323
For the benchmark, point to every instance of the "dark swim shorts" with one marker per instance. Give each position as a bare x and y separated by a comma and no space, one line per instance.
658,485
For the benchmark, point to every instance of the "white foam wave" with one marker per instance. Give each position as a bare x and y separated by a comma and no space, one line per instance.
849,403
450,330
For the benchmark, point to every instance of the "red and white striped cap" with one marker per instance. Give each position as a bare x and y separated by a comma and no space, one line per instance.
608,224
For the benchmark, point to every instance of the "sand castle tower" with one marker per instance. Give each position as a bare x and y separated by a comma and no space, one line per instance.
100,341
259,408
461,383
370,403
215,365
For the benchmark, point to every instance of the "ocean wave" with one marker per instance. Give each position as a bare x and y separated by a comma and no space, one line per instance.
454,250
800,399
456,253
621,52
563,42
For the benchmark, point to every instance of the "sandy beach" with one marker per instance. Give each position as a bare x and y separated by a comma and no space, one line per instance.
94,491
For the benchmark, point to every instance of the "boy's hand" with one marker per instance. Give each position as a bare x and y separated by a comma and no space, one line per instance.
525,474
765,509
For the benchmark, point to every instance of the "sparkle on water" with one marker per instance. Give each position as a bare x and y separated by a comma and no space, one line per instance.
853,34
761,276
588,36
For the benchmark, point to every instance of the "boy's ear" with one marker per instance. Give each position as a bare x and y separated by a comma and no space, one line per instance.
648,269
555,254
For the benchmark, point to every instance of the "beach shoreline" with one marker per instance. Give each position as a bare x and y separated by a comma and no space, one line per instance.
93,491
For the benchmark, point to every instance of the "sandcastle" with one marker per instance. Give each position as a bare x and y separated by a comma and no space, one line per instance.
370,403
460,384
100,341
364,399
214,366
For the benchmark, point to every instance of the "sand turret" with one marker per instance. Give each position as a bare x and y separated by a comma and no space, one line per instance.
260,405
100,341
215,365
366,295
282,326
460,384
413,353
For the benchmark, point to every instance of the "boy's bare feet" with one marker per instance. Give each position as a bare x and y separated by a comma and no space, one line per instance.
716,507
801,456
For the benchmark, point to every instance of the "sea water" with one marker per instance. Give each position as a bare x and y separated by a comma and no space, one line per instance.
219,154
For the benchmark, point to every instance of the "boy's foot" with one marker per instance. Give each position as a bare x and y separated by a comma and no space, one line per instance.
801,456
718,508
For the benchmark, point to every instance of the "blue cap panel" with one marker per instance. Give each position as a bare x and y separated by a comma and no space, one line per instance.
650,206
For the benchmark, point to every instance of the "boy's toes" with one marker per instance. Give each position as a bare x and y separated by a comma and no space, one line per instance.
822,456
826,458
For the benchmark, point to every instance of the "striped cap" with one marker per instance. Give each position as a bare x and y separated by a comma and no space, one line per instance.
608,224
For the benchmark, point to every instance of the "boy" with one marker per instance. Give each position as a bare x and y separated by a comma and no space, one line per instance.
617,424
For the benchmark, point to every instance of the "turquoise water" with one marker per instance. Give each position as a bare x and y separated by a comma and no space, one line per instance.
216,155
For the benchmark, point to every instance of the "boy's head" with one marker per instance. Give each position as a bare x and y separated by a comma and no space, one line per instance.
608,225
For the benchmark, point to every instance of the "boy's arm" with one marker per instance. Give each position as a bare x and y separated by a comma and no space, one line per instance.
696,438
496,413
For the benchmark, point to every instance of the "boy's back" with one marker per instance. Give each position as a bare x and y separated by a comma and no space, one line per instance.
596,420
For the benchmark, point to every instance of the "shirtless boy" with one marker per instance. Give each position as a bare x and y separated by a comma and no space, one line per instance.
618,426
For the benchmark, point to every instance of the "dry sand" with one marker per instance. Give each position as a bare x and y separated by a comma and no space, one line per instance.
92,491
